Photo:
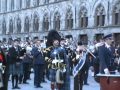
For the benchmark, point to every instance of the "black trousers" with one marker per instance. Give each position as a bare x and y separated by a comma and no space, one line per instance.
78,80
26,72
38,73
86,76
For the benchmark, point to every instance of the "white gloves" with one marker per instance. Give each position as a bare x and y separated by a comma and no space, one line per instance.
106,71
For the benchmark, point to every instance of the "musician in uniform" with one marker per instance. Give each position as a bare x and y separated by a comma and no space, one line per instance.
15,60
79,78
81,58
58,63
39,63
106,55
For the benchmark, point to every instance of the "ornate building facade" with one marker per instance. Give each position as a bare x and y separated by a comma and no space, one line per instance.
83,19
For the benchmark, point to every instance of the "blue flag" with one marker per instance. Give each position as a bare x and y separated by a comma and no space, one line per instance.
80,64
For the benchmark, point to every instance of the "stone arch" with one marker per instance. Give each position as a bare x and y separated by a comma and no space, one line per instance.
56,21
97,4
100,15
36,22
11,25
83,11
26,24
46,22
18,25
116,13
4,29
69,19
83,17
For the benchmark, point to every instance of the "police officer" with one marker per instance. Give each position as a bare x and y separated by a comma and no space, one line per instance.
105,55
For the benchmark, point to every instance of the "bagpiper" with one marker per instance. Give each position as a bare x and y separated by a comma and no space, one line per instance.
57,62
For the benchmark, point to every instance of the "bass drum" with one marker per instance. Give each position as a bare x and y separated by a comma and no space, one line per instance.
96,70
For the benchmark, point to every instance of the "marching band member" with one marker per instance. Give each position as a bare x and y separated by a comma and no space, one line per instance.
57,59
79,78
15,60
39,63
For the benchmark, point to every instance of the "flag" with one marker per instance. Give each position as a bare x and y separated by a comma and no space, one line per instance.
80,64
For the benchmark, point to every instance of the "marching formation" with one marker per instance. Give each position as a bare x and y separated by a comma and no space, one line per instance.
56,59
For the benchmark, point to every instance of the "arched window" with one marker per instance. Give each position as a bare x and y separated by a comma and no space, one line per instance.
69,20
28,3
36,2
46,23
36,23
57,21
46,1
0,5
5,5
10,26
4,29
83,17
20,4
116,14
100,16
18,25
12,5
26,25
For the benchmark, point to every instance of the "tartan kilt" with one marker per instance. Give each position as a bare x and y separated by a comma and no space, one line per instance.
52,75
16,69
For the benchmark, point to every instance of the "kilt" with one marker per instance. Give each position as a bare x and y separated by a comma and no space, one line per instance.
16,69
52,75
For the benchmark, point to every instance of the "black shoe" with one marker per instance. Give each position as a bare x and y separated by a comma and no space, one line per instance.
25,83
44,81
38,86
41,86
13,87
16,87
19,82
86,84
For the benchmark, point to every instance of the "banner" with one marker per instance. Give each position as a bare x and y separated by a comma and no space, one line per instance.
80,64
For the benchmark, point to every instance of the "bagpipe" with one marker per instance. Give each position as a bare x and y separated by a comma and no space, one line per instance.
58,64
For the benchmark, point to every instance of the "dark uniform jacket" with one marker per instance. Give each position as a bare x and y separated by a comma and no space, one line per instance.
38,56
106,58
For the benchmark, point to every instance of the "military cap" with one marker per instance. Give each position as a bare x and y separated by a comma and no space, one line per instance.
108,36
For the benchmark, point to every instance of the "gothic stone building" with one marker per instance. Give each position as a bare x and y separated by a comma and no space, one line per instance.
83,19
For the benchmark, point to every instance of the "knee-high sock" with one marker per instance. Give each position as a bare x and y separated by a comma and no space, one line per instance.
13,77
16,80
52,86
